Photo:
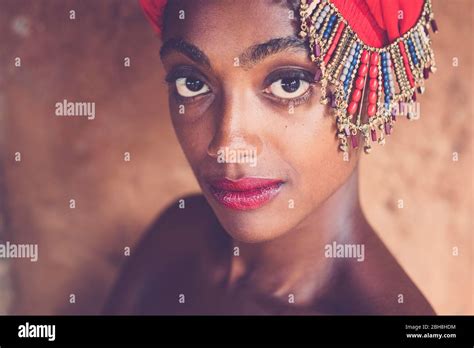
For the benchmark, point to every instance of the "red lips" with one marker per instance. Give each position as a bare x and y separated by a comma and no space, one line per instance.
246,193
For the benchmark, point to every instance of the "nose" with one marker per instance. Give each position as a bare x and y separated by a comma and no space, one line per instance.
236,127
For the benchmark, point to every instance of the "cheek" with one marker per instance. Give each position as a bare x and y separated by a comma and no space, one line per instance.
193,129
311,147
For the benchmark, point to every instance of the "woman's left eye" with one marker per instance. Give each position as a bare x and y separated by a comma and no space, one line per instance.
289,88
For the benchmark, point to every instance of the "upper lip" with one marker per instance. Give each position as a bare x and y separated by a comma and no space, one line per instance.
243,184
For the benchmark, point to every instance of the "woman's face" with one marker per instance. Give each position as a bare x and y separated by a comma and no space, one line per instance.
247,114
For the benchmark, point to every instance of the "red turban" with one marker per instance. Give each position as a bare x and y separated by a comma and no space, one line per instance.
376,22
371,61
154,12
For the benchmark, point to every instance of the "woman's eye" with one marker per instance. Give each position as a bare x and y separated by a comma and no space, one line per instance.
190,87
289,88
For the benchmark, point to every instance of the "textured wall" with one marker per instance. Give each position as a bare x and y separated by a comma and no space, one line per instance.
62,158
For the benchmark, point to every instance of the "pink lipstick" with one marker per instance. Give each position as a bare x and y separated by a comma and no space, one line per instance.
246,193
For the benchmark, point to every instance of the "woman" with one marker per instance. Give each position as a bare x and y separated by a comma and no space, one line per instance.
278,228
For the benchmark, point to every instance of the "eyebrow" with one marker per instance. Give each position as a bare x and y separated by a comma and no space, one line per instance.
247,59
186,48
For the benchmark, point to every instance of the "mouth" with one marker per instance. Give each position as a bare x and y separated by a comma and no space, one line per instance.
246,193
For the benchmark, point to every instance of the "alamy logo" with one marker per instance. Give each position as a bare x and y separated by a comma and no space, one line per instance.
66,108
37,331
335,250
230,155
22,251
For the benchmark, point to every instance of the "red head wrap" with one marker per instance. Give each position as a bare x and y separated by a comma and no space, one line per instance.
376,22
362,47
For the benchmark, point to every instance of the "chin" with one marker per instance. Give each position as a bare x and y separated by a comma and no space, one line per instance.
253,226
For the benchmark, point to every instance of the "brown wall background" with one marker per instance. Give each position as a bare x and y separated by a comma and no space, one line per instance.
81,249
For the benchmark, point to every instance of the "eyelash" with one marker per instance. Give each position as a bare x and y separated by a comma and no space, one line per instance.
272,78
298,100
171,78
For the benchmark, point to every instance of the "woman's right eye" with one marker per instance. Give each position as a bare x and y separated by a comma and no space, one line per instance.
189,87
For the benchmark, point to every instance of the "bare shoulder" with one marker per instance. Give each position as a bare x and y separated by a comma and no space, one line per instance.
387,287
182,233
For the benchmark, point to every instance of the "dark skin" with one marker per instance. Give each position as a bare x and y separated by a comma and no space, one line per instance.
280,266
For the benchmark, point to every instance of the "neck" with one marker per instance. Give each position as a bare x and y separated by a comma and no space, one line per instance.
279,265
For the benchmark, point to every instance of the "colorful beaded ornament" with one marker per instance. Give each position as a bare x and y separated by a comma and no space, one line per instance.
392,74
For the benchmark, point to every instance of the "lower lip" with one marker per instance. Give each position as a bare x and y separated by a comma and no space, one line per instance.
248,199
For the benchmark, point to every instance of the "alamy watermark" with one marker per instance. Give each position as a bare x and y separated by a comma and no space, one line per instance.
84,109
243,155
337,250
28,330
23,251
411,110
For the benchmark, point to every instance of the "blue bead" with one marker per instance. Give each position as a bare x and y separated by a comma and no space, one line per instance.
384,70
384,63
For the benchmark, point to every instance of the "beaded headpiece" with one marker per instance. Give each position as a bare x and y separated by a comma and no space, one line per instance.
388,76
378,51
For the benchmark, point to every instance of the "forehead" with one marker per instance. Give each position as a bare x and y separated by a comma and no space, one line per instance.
227,27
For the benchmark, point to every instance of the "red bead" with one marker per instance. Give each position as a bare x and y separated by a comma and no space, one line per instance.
413,97
426,73
363,70
371,110
373,134
354,141
373,72
317,50
372,97
352,108
373,84
374,58
434,26
364,58
359,83
356,95
388,128
318,75
333,101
